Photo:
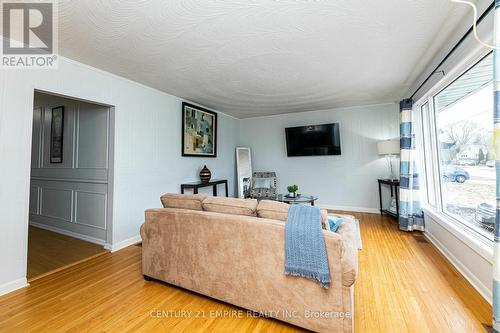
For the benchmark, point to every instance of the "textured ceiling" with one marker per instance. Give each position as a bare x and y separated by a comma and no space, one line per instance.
251,58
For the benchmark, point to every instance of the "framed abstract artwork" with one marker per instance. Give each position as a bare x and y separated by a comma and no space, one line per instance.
199,131
56,135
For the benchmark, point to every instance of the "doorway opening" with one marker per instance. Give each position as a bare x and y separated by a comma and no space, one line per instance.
71,183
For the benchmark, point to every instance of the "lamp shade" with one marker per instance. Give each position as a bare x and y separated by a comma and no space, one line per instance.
388,147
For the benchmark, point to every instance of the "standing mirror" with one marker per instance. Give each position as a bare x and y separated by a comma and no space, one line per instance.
243,170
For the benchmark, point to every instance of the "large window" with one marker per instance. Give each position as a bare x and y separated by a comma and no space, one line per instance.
461,133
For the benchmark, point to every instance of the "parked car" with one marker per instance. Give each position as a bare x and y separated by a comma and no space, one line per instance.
485,216
467,161
454,174
490,164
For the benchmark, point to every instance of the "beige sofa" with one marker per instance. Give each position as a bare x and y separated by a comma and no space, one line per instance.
221,248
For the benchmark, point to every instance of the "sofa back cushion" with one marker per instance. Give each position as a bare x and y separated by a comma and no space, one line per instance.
184,201
262,183
234,206
274,210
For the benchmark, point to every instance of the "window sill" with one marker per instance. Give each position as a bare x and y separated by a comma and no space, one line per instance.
478,244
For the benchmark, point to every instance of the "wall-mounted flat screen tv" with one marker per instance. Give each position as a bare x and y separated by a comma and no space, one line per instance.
313,140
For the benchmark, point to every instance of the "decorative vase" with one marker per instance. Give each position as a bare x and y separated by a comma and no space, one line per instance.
205,175
291,194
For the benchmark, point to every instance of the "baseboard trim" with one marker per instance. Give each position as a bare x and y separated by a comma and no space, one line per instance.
127,242
69,233
469,276
352,209
13,285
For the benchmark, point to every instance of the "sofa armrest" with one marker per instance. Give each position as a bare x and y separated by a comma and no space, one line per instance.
349,257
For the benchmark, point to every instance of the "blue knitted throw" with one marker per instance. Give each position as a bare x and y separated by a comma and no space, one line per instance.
305,248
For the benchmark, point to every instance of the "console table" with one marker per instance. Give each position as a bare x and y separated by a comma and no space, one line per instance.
394,185
198,184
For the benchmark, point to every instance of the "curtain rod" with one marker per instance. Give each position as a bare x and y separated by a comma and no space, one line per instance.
483,15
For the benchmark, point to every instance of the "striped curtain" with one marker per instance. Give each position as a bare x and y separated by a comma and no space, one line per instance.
496,140
410,213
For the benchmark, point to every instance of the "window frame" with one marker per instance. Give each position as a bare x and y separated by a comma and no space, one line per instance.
427,154
431,169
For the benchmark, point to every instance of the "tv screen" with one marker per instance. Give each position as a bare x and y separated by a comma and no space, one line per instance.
313,140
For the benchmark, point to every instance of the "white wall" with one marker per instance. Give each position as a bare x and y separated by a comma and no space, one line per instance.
147,159
348,181
71,197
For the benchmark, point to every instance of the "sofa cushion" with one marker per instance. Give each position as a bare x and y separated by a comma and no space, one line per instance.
274,210
265,183
234,206
185,201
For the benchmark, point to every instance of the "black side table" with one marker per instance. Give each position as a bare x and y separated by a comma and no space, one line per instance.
394,185
196,185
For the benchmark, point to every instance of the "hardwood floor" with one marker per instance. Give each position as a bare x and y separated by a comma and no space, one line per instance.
404,285
49,251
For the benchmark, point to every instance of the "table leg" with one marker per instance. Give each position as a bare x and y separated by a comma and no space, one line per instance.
182,189
214,189
195,190
312,203
227,194
380,197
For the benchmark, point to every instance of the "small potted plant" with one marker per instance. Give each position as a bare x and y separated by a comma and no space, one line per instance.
292,190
